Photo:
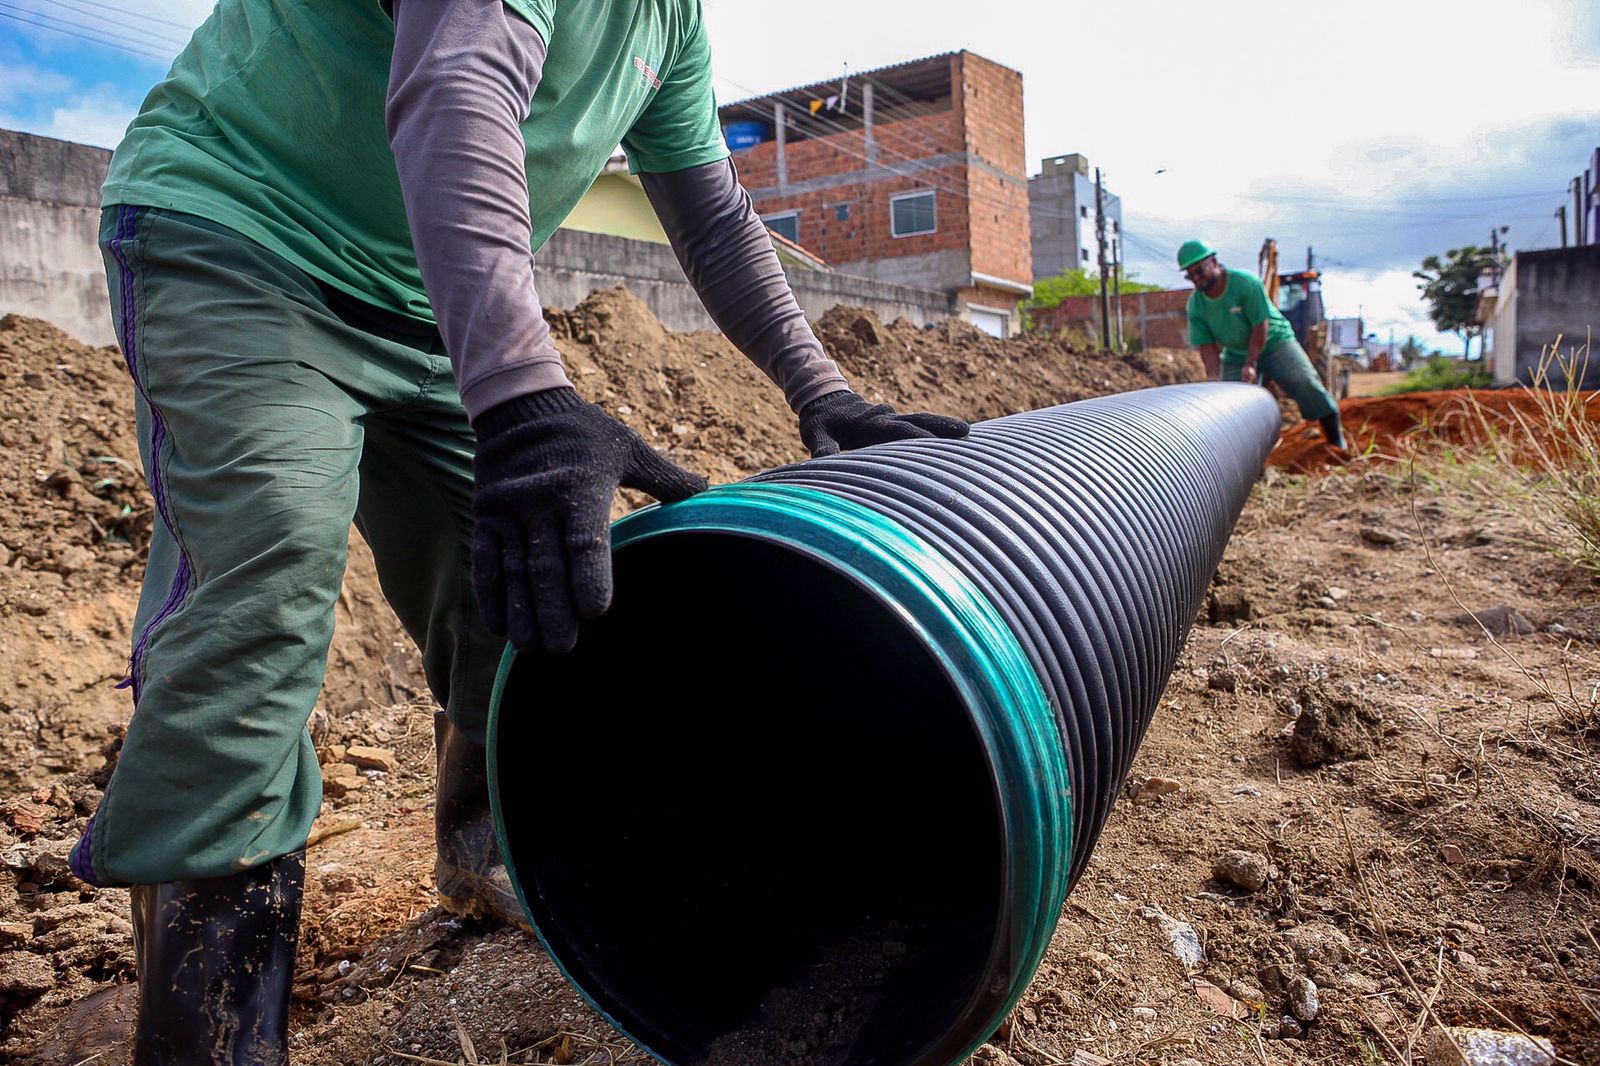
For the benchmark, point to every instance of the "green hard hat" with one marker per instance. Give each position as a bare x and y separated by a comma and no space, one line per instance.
1191,252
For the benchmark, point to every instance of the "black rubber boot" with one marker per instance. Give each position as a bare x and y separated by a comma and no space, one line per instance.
468,870
216,962
1333,430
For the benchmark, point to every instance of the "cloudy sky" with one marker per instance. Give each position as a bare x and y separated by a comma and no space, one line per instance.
1376,131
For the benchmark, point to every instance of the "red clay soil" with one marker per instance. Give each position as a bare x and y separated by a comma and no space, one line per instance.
1394,427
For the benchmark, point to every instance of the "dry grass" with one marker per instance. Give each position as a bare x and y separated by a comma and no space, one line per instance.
1549,460
1542,468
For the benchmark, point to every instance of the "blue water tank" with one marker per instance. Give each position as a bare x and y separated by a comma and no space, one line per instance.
741,135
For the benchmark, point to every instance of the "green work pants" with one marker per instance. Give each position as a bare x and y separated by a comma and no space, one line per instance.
272,411
1288,366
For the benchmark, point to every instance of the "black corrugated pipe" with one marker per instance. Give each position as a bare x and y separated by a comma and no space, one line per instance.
814,789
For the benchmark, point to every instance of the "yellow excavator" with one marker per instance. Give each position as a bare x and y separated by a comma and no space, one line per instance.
1299,297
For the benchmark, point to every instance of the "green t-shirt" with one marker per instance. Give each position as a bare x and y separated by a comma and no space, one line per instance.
1228,319
271,122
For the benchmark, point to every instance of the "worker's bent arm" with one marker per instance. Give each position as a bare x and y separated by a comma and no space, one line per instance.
724,249
460,84
1211,359
1258,340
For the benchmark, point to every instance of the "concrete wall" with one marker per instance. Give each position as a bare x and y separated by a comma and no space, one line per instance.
1549,294
49,226
574,264
1152,319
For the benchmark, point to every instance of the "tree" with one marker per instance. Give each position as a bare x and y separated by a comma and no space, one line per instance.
1450,288
1049,292
1411,352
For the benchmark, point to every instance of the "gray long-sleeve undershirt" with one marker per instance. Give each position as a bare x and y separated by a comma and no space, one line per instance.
461,82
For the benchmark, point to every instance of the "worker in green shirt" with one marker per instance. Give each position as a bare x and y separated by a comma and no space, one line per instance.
1238,330
319,236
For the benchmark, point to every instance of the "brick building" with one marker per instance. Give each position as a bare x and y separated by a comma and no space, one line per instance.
912,174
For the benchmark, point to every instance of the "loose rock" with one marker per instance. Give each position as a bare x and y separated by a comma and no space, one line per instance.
1459,1046
1147,789
1334,725
1303,999
24,974
368,758
1181,935
1247,869
1502,621
1228,605
1319,947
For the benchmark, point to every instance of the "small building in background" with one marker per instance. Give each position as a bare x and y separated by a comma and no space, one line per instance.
910,174
1542,315
1061,211
1346,335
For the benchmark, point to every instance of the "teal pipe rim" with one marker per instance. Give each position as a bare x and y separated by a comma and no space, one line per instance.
980,657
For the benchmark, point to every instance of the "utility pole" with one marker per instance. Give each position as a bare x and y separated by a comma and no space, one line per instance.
1561,213
1116,289
1311,260
1577,210
1100,239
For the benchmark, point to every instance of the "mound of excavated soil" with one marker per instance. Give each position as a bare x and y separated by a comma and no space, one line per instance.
75,520
1390,428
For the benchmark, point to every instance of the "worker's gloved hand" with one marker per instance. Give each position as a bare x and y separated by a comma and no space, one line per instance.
840,420
547,469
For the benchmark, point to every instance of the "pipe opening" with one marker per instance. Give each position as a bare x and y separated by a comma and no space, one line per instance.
751,814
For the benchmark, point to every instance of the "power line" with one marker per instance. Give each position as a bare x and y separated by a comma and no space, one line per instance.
150,36
54,26
136,14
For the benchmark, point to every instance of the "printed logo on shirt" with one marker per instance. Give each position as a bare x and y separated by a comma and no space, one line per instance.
1235,310
647,70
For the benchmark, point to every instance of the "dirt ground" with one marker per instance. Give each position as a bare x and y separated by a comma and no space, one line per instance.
1352,792
1370,383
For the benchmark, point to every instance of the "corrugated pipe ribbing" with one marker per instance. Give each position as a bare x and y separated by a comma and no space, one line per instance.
816,786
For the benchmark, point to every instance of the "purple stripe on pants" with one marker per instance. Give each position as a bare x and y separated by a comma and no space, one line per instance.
127,222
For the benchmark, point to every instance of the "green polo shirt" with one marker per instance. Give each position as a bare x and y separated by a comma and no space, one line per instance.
271,122
1228,319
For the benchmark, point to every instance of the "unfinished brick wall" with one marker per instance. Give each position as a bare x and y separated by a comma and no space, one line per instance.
997,188
1153,319
980,198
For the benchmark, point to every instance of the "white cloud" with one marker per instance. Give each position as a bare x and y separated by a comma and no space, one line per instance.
20,80
98,119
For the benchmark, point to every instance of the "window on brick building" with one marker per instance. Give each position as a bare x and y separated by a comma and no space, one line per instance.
1085,252
786,224
911,213
1083,212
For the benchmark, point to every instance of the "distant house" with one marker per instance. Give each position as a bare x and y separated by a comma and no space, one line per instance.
1061,209
1542,298
910,174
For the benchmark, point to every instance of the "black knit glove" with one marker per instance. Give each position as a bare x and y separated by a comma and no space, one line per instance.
840,420
547,468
